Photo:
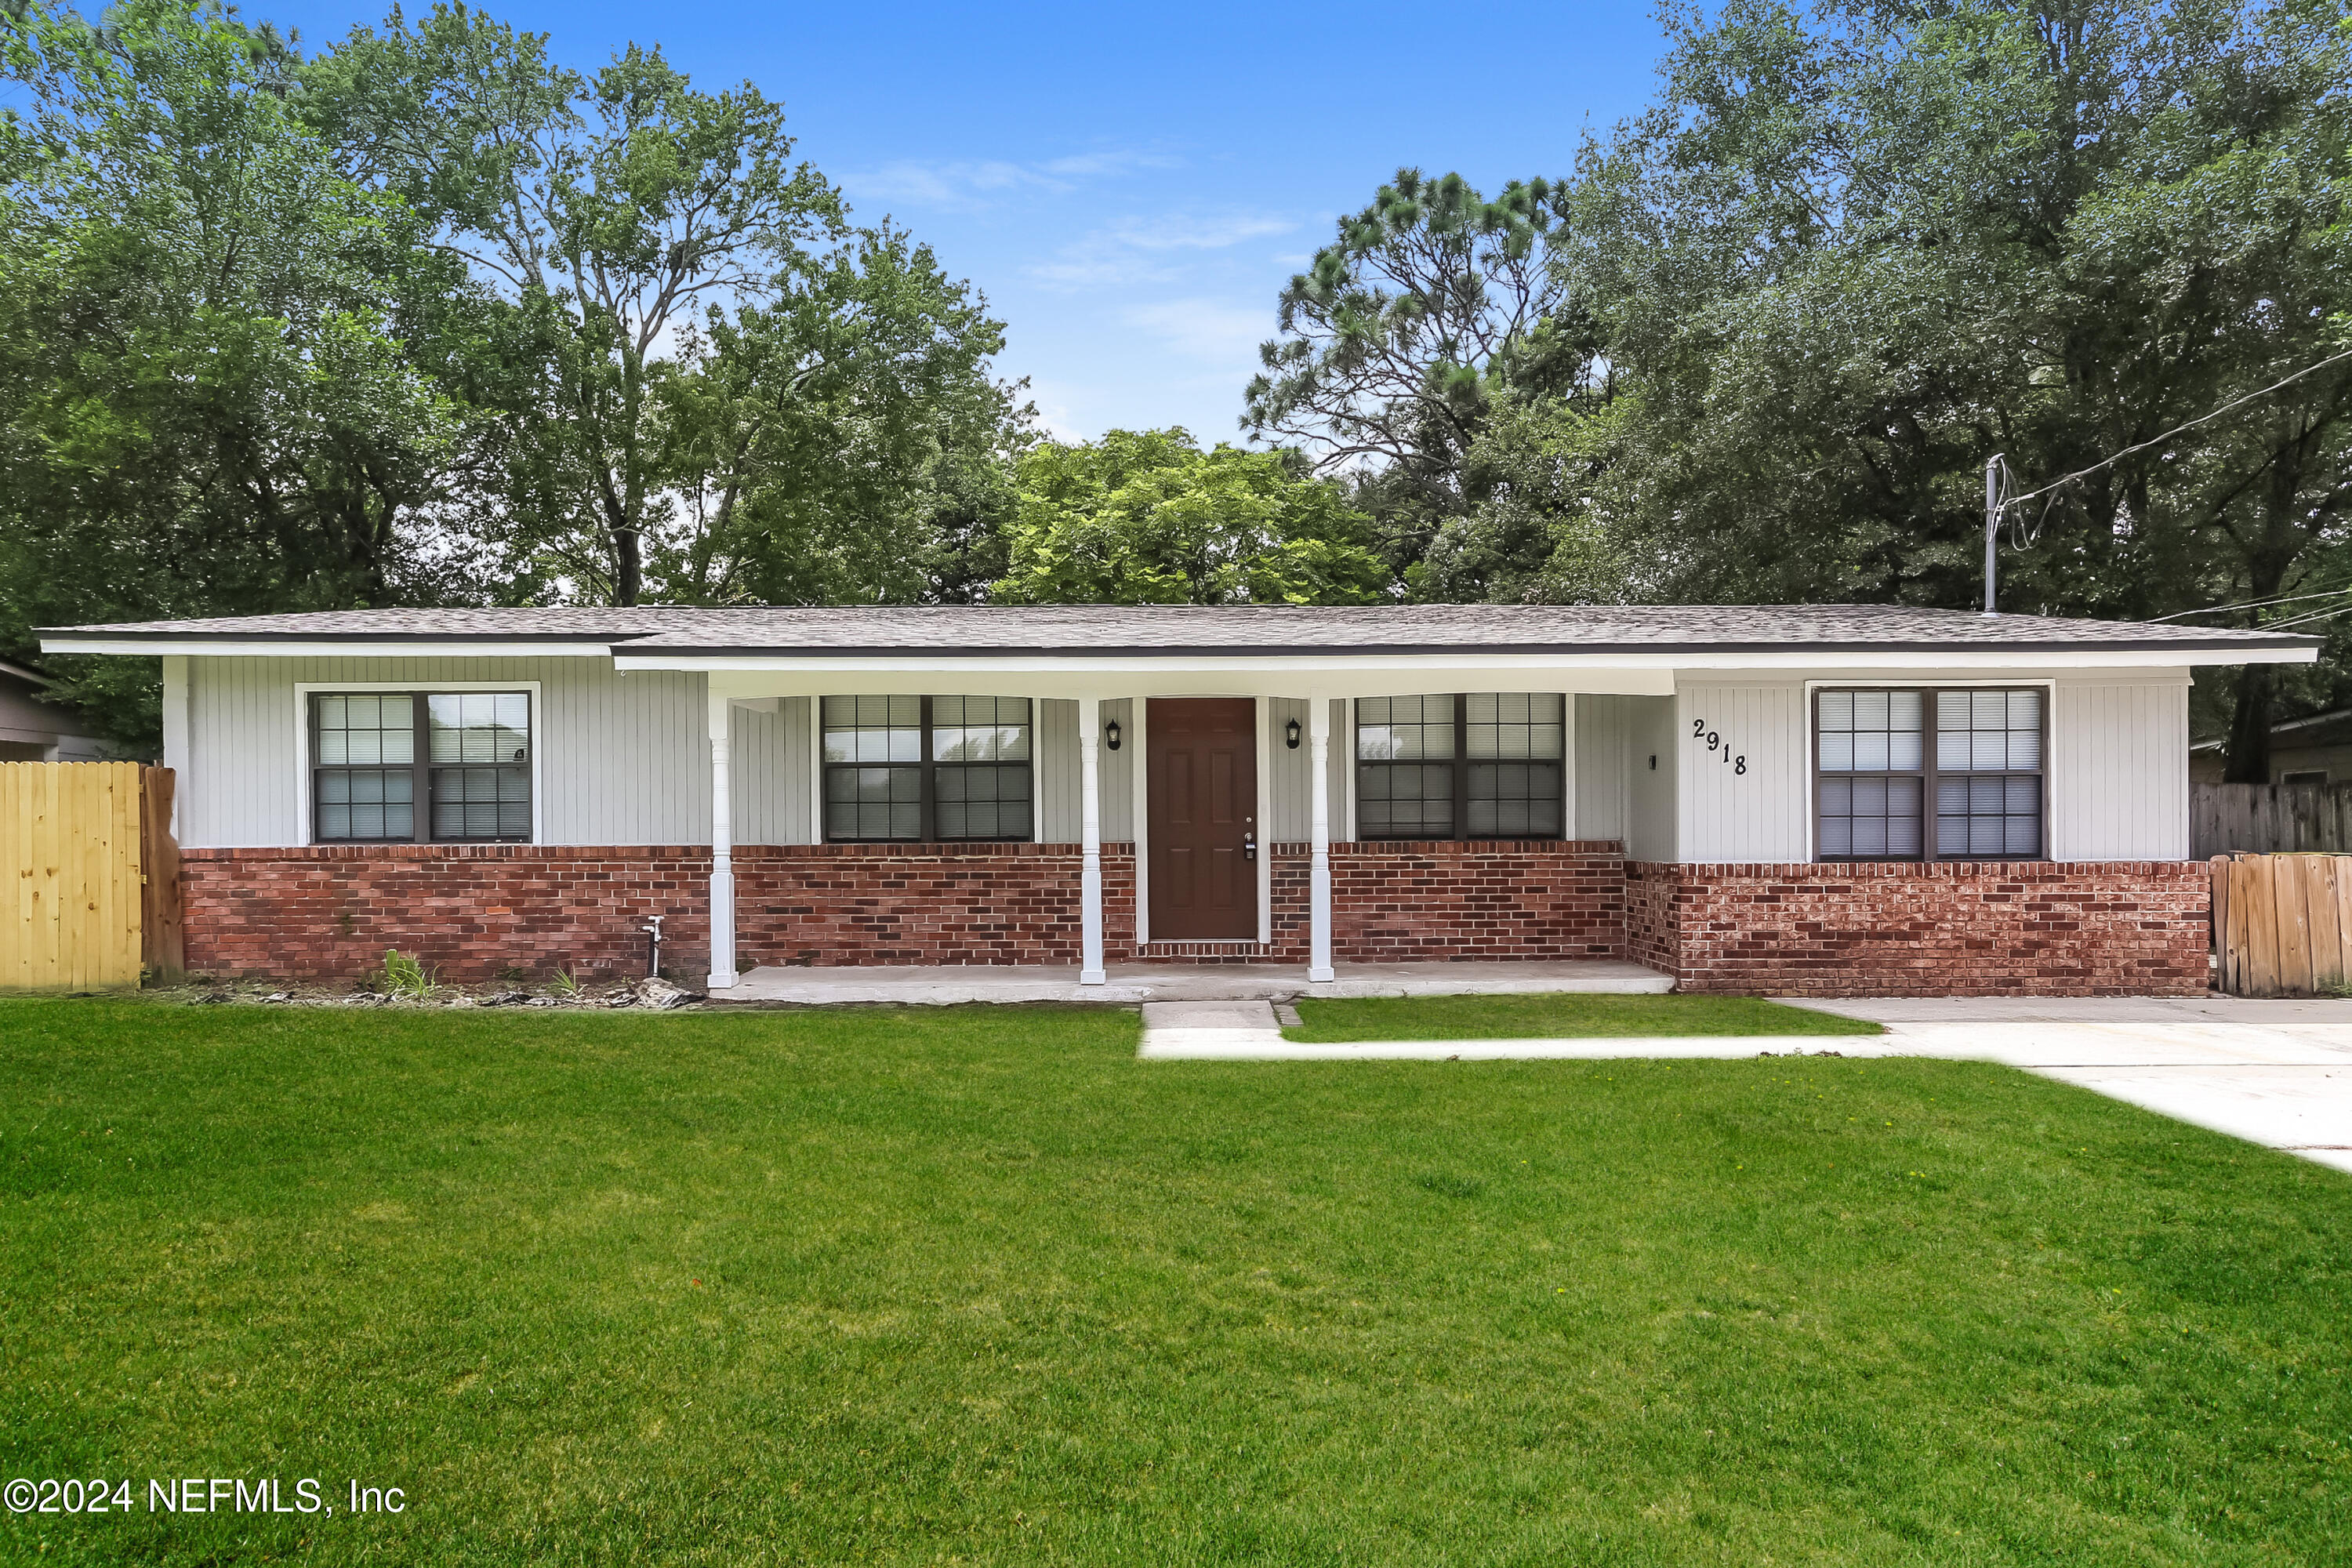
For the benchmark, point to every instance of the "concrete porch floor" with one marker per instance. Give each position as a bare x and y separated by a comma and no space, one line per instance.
943,984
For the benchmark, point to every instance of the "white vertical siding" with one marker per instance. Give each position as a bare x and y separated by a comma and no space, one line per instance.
622,760
1650,820
770,773
1757,813
1604,740
1056,772
1289,806
1118,783
2119,771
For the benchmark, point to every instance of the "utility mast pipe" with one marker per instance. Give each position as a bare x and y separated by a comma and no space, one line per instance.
1992,523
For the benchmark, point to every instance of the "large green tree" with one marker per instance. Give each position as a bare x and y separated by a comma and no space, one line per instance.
1148,518
1855,252
716,388
610,209
844,441
211,398
1430,308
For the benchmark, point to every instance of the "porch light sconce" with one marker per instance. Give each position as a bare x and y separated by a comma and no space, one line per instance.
1290,734
1110,734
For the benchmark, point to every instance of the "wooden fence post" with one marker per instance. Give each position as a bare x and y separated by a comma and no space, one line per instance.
163,946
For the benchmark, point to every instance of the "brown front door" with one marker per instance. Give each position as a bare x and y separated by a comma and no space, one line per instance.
1201,756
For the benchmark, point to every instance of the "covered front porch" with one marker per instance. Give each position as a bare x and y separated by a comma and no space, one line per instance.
1189,818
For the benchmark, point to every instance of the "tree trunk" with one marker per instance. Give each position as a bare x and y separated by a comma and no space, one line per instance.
2248,752
628,570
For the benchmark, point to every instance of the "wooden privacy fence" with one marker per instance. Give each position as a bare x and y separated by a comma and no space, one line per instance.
94,876
2283,924
2270,819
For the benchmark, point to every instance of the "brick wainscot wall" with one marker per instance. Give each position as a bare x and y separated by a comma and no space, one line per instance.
1422,901
474,911
329,912
2136,928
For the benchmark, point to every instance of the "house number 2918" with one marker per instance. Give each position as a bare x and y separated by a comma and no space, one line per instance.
1699,731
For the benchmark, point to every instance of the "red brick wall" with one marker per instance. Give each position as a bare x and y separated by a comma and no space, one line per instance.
1651,936
2086,928
2063,929
470,909
1421,901
924,903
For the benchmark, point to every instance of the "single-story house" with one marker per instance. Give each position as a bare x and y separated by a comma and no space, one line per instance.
1836,799
2314,750
34,730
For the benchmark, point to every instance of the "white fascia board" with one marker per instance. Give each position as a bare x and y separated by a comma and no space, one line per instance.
2091,657
1621,674
740,677
326,648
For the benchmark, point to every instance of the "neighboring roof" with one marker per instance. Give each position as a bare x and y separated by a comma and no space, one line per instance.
1248,629
2301,730
31,677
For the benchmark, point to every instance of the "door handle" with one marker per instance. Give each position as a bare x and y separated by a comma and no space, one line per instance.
1249,846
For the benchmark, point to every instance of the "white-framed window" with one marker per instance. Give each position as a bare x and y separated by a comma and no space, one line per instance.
419,765
928,768
1930,773
1481,765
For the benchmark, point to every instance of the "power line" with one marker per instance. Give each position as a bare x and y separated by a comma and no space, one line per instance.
2251,605
2168,435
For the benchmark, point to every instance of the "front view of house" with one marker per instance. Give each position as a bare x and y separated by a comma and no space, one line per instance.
1826,799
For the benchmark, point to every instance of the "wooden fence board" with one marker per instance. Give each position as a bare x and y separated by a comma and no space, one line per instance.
2326,937
2261,926
2283,924
2289,877
71,845
2270,819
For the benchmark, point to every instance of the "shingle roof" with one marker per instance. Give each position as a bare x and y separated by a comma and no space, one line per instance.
1175,630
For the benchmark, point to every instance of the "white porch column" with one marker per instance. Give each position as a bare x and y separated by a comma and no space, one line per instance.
1090,891
1318,895
722,847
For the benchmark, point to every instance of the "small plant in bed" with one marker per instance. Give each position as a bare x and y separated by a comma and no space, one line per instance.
1555,1015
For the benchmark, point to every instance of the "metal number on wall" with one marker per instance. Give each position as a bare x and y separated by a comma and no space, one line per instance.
1737,764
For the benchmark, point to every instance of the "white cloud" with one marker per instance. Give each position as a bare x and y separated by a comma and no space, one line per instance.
1208,329
971,184
1118,254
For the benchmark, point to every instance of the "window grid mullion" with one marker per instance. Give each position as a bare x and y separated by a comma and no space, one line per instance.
927,811
420,766
1929,850
1460,766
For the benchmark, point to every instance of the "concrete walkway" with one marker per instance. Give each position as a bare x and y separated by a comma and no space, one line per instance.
2278,1073
946,984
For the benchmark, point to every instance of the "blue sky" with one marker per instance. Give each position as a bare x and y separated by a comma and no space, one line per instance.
1131,186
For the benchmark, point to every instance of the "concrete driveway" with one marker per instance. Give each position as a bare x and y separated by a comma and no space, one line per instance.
2278,1073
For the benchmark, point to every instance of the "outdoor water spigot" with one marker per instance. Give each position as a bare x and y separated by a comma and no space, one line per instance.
652,928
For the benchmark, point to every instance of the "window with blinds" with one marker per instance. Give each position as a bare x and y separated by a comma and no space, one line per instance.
1472,766
406,767
1912,774
928,768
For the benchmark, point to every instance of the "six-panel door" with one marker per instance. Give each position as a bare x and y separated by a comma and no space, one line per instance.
1201,796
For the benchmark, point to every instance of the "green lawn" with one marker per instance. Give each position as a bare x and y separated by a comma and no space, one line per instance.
1556,1014
935,1286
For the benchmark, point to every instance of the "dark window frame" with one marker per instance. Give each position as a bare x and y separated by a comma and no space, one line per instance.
1460,764
929,766
420,765
1928,774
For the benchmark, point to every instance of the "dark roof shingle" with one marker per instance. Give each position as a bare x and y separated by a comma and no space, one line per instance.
1214,629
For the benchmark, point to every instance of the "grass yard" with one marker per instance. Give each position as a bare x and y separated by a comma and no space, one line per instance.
1556,1014
976,1286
